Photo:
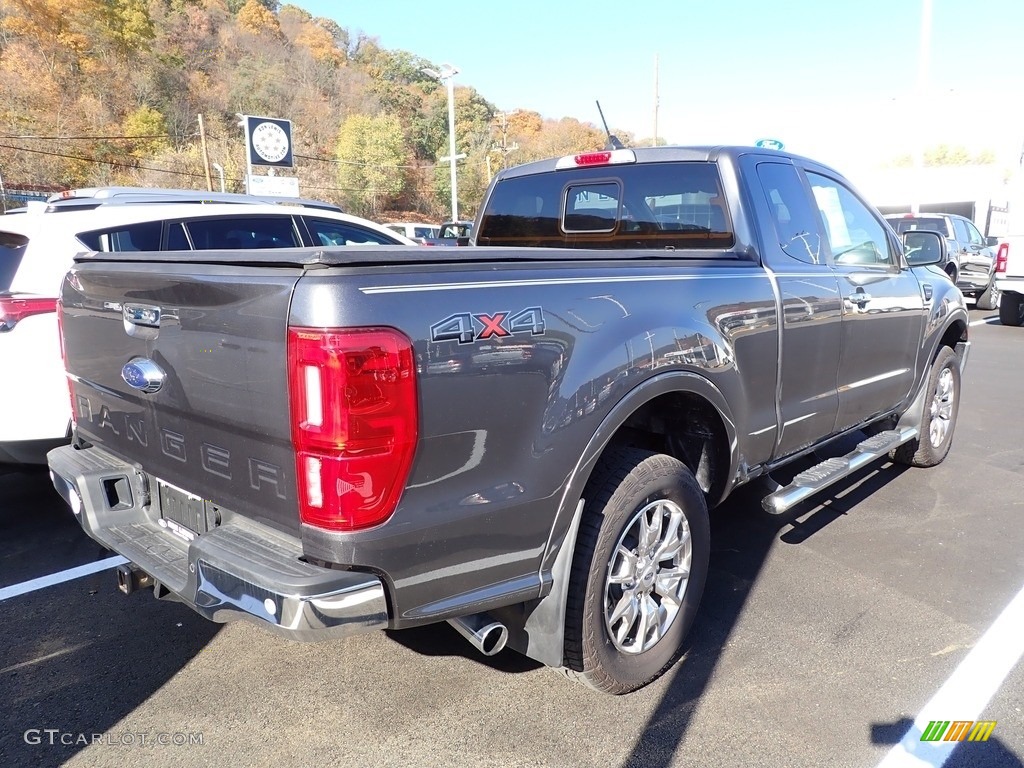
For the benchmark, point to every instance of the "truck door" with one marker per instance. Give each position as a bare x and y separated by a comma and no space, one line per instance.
882,305
795,254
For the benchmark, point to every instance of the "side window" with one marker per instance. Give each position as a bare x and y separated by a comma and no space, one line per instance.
230,233
177,240
973,234
795,222
134,237
854,234
328,232
960,230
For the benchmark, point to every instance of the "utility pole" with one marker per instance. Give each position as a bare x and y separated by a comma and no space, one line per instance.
504,147
654,141
923,57
447,75
206,154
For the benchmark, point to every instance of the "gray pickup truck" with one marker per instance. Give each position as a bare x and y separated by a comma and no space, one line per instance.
522,437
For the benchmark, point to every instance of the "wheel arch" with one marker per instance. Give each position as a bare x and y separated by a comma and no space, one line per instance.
536,628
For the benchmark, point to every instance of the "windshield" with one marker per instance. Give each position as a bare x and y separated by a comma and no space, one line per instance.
910,224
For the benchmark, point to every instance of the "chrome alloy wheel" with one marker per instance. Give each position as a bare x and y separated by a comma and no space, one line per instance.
943,400
647,576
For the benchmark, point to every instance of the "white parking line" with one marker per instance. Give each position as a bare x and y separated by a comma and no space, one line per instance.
59,578
47,657
966,693
985,321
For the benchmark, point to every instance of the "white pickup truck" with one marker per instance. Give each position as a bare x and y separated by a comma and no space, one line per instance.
1009,280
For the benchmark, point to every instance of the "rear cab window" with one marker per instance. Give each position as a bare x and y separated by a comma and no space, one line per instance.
676,205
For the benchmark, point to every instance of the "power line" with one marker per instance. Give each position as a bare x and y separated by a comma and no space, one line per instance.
90,138
104,162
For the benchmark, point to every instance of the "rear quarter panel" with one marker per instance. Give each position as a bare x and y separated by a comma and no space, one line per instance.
505,419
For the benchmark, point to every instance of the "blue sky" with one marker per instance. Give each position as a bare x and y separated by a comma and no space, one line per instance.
835,80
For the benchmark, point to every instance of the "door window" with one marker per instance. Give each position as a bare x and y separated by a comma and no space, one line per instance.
960,229
973,235
795,223
855,235
328,232
237,232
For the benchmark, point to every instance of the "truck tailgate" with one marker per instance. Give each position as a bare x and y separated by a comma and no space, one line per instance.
180,368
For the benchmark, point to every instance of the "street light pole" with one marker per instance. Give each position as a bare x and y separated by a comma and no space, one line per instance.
220,171
447,76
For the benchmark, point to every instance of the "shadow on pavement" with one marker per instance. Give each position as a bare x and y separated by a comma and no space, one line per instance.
742,535
967,754
77,657
443,640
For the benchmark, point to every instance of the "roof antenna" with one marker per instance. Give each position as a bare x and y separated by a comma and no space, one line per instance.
613,141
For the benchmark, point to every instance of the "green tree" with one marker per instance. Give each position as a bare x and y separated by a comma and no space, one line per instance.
129,26
150,123
372,153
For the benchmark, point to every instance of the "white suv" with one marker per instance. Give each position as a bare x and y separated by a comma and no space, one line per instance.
38,244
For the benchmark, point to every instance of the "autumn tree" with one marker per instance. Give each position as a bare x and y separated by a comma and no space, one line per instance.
255,17
371,156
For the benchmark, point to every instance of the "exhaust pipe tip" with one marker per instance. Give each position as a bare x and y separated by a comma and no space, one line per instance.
131,579
483,632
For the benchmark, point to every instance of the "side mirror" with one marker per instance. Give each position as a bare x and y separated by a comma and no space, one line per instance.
922,246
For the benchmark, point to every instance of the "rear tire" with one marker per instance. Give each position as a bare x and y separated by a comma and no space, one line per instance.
938,421
1011,309
638,572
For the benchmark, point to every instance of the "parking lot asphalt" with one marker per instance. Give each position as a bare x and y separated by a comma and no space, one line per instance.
821,635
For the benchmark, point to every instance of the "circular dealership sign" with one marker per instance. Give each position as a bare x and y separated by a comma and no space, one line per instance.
270,142
769,144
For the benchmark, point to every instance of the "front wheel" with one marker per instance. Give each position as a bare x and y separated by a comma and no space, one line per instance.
938,421
638,573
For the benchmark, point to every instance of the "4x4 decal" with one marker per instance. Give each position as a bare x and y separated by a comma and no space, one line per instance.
467,327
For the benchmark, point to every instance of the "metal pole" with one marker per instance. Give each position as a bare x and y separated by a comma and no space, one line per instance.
3,195
924,54
655,142
451,141
220,172
206,155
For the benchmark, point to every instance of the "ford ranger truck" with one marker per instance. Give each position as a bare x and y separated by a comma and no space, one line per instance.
521,437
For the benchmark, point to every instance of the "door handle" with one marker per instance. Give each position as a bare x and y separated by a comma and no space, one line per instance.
860,298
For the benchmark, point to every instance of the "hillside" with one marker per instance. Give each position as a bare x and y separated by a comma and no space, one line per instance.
100,92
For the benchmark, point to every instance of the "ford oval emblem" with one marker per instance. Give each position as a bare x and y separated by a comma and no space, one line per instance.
143,374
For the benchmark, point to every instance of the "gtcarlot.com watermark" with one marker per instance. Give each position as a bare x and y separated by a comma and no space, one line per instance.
55,736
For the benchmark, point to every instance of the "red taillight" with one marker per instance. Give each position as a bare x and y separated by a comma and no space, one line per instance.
13,310
355,420
1001,257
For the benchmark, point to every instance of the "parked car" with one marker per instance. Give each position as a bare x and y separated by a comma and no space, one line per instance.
522,439
418,232
37,246
972,259
452,233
